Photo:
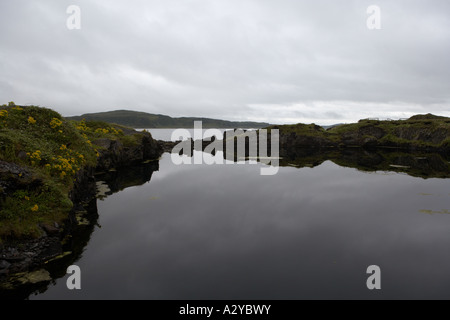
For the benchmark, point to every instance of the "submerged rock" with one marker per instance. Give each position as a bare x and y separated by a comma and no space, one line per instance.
26,278
34,277
102,189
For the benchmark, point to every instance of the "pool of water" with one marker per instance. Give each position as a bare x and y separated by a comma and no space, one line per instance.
227,232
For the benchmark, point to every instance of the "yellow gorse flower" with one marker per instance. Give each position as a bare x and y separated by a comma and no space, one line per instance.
55,123
35,156
82,126
31,120
101,130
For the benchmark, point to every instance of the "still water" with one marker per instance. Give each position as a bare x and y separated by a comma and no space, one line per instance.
226,232
166,134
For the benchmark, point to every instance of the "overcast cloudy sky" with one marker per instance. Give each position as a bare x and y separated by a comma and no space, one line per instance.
282,61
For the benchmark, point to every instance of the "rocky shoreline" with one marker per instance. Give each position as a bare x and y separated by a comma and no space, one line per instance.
22,260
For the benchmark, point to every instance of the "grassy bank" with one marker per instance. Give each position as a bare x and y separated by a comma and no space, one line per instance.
49,150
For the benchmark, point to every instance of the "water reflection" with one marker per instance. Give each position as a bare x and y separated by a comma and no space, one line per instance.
424,165
419,164
226,232
118,180
75,243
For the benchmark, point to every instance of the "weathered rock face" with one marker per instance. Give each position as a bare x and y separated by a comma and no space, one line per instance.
435,136
83,190
367,136
114,154
151,148
14,177
28,254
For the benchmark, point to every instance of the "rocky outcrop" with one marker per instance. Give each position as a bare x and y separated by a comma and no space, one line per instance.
21,256
115,154
365,136
428,133
14,177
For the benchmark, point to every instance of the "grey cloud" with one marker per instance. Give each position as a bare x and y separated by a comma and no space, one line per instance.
220,58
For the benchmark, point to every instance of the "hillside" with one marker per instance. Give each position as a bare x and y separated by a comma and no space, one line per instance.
137,119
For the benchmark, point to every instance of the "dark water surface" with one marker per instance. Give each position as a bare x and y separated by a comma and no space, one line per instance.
226,232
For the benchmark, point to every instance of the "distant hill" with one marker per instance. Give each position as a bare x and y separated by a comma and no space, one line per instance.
136,119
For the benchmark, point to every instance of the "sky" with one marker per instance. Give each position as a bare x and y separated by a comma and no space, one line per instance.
277,61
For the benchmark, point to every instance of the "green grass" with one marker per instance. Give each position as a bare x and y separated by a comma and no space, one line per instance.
299,129
23,211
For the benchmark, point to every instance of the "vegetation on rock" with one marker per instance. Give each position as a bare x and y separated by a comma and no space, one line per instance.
41,154
420,132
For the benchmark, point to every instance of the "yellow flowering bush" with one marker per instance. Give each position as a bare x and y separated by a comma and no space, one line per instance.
31,120
35,156
101,130
66,164
97,128
3,117
81,126
55,123
86,138
116,132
